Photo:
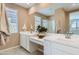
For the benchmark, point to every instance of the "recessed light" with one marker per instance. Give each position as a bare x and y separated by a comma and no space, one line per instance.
28,3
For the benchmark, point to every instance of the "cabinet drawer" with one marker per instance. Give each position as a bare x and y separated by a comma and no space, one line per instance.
55,48
50,48
59,52
65,48
36,41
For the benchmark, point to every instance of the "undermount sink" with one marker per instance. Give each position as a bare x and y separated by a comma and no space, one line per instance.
73,39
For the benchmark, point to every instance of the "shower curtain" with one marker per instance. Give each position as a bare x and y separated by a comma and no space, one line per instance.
3,26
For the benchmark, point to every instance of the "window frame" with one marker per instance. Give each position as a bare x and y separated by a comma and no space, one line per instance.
8,22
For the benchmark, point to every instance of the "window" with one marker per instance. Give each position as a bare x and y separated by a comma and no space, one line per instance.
53,25
45,23
12,20
37,21
74,22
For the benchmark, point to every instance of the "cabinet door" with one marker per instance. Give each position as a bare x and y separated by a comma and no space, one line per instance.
23,40
27,42
59,52
48,48
51,48
67,49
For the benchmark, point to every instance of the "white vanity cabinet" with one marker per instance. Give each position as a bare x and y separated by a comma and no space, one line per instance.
53,48
60,48
24,40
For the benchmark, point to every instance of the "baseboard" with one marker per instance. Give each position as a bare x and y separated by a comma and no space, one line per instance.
9,48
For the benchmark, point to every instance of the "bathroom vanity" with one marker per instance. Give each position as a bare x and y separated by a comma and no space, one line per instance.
59,45
53,44
30,41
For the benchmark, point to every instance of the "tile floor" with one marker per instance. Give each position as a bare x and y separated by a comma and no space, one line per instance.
19,51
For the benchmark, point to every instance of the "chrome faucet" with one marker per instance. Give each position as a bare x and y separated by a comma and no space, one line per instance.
68,35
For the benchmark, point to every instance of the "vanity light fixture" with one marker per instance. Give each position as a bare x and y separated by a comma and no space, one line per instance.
28,3
74,4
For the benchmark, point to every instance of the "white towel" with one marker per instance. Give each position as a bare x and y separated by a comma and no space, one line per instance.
3,38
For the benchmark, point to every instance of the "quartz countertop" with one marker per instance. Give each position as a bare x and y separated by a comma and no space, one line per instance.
60,38
36,39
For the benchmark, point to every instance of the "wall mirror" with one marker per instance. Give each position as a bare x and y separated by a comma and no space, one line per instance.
74,22
50,24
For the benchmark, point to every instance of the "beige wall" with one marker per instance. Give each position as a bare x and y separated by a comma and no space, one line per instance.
22,14
61,18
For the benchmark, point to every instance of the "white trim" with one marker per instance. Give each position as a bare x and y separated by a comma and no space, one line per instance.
9,48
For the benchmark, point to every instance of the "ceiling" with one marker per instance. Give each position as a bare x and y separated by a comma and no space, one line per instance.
26,5
50,9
